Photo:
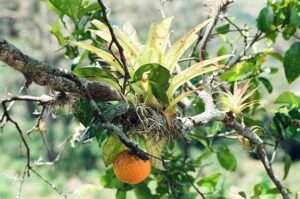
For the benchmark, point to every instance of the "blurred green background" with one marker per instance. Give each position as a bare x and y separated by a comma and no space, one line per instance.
24,23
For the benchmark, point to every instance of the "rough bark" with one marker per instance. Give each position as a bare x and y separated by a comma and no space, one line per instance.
53,77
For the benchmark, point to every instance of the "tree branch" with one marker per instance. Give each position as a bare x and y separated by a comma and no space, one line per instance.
62,80
211,113
55,78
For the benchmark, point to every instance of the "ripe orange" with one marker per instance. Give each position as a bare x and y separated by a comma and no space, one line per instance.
130,169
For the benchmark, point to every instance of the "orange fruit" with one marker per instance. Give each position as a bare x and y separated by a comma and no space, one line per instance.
131,169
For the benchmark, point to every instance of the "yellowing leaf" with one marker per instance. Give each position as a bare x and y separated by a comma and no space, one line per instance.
158,36
181,45
107,57
146,56
131,33
111,148
154,148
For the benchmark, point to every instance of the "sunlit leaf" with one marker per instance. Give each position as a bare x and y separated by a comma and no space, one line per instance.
288,98
210,181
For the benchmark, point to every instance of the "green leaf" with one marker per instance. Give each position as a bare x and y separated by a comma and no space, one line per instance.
87,9
111,148
142,191
266,83
223,29
93,131
292,62
272,191
120,194
258,189
155,147
276,55
295,19
226,159
210,181
157,73
108,180
222,51
159,92
83,113
239,71
265,20
295,113
287,165
96,74
70,8
91,72
56,31
288,32
288,98
243,194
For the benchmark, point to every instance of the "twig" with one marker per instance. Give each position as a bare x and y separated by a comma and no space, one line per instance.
114,40
209,29
161,8
195,187
53,186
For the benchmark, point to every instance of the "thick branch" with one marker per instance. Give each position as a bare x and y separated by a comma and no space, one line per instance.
46,75
210,113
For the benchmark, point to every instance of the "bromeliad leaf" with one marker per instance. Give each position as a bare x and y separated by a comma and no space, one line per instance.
158,36
107,57
181,45
193,71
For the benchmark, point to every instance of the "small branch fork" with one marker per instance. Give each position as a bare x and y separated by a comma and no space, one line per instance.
43,100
